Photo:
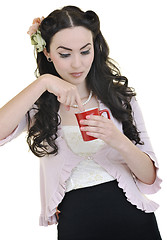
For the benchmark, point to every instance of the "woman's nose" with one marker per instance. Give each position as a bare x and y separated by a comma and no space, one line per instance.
76,61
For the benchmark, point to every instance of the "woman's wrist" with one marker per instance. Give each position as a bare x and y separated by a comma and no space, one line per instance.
44,82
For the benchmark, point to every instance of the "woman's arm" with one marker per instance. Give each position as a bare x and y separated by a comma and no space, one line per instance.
140,164
13,112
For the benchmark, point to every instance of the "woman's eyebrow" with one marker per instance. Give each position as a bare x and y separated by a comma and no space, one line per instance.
69,49
64,48
85,46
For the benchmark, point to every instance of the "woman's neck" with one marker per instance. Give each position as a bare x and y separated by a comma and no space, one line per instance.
83,91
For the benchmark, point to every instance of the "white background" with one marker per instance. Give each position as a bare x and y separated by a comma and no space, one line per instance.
136,34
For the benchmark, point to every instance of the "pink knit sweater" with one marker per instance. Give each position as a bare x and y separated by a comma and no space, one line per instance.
55,170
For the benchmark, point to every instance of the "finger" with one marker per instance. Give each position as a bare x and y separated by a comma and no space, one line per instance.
92,122
96,135
58,98
92,129
67,107
96,118
61,99
68,101
73,102
79,103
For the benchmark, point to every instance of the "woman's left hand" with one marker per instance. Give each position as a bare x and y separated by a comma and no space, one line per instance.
104,129
140,163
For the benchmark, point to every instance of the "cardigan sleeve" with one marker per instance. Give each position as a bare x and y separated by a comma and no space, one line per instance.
22,126
146,148
18,130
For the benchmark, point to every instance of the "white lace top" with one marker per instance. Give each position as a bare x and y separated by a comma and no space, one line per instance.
87,172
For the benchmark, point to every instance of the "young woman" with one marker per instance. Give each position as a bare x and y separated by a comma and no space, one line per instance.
93,190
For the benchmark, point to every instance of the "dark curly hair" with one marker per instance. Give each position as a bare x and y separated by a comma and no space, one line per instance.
104,79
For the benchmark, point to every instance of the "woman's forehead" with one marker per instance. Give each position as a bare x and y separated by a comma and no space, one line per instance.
73,38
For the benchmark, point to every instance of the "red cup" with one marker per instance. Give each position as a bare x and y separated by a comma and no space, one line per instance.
82,115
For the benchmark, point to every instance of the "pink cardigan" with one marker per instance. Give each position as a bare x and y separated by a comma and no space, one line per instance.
55,170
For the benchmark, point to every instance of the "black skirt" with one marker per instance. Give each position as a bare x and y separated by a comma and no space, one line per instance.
102,212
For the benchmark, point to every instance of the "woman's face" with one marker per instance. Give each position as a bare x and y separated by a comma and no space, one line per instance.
72,53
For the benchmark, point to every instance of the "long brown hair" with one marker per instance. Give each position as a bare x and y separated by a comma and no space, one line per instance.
104,79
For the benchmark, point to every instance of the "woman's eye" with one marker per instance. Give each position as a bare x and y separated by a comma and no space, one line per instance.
85,52
64,55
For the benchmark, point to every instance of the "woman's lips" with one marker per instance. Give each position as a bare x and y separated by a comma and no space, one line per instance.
76,74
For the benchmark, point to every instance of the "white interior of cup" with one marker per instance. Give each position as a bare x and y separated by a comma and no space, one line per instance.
87,110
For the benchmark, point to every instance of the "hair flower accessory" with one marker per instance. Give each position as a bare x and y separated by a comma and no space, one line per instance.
35,34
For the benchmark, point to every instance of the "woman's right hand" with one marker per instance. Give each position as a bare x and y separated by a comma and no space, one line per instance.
13,112
66,93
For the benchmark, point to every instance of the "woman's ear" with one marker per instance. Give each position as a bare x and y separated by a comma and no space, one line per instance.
47,55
